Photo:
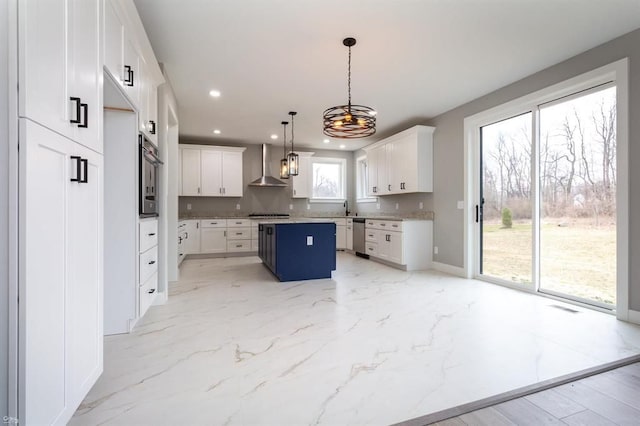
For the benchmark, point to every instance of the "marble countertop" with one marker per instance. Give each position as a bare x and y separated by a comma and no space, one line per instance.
426,215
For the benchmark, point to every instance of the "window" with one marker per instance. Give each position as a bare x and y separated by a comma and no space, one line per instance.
362,181
328,179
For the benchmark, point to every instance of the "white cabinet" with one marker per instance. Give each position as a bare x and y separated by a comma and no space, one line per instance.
349,228
60,274
341,233
147,264
60,69
301,184
402,163
211,171
213,236
406,244
147,102
182,241
192,242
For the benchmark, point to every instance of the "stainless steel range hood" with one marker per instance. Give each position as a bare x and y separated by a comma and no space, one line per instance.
266,180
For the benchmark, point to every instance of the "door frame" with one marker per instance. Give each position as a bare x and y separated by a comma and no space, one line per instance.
616,72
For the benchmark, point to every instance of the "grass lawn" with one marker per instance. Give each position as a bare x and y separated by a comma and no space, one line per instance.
577,258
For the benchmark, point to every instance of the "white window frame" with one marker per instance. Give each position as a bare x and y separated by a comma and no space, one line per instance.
362,179
343,178
616,72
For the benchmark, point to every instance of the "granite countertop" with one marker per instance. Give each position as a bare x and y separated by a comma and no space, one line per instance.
422,215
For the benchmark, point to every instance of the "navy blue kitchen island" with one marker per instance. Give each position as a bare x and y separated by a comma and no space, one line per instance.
298,251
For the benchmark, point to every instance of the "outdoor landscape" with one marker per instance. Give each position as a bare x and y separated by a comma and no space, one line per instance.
576,186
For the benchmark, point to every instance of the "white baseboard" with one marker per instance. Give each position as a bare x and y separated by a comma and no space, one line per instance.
448,269
634,316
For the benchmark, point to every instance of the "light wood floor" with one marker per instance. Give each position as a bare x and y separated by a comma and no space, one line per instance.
611,398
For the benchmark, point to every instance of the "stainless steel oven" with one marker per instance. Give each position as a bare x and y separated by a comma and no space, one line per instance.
148,179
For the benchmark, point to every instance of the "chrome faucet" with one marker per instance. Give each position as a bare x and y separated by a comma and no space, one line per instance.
346,208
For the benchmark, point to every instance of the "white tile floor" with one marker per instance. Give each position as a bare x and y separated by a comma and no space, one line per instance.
374,345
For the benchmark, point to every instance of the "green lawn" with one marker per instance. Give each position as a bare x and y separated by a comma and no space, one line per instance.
576,258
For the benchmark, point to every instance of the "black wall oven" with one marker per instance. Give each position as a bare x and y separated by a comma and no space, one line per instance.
148,178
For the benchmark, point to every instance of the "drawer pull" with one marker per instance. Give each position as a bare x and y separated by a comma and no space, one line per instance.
152,234
213,223
238,233
153,290
238,245
151,262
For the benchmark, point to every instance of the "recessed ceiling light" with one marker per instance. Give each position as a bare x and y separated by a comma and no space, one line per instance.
343,146
214,93
274,136
216,132
326,141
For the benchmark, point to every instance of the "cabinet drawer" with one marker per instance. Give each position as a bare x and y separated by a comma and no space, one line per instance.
148,292
340,221
148,264
371,235
388,225
238,223
349,221
371,249
239,233
238,245
148,234
213,223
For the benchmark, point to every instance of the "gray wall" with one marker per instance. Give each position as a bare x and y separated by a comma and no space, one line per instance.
449,151
4,207
265,200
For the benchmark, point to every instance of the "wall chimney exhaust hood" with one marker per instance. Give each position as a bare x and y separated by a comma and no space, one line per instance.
266,180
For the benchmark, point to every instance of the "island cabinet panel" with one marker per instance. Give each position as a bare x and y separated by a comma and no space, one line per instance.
298,251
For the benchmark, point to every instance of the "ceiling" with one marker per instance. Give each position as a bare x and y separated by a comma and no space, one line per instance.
414,59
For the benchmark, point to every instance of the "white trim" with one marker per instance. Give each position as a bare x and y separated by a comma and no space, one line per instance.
343,178
449,269
366,198
633,316
617,72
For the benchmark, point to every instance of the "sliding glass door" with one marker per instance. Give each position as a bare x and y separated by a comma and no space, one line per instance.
546,210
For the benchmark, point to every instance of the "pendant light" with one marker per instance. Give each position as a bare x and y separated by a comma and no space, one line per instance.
349,121
292,158
284,163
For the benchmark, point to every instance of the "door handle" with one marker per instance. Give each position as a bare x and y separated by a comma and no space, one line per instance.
78,168
477,208
85,166
151,234
153,127
151,262
85,116
128,81
389,187
78,112
152,291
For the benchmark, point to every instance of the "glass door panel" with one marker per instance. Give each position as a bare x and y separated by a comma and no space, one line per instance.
578,197
505,208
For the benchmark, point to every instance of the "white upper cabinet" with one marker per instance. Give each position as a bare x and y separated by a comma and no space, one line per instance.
402,163
211,171
301,184
138,74
60,67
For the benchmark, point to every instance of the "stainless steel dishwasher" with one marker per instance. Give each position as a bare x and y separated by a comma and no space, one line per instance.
359,237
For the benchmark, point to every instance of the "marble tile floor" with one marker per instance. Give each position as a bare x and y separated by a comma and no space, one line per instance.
374,345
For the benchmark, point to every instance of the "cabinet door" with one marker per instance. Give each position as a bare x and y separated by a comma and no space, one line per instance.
341,237
232,174
211,175
85,73
152,111
45,169
372,172
193,237
131,71
43,64
301,183
213,240
394,247
190,167
405,165
143,98
113,38
382,154
349,237
84,329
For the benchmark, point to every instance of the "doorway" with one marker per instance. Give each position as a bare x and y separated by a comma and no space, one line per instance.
549,190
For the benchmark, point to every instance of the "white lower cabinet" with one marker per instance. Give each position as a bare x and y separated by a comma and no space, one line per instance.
349,228
341,233
147,264
60,274
407,244
213,239
192,237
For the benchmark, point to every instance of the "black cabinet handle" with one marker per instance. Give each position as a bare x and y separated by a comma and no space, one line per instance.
151,234
389,187
85,116
186,235
153,127
129,80
78,113
85,165
153,290
269,231
78,168
476,213
151,262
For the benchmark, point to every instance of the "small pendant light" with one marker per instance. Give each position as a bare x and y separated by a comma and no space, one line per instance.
293,157
284,163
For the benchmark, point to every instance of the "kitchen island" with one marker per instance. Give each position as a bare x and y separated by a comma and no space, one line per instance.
298,251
